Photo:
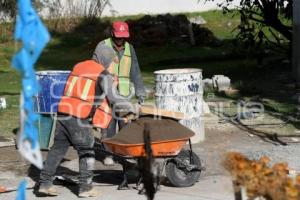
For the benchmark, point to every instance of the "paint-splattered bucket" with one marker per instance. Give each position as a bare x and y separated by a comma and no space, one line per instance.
181,90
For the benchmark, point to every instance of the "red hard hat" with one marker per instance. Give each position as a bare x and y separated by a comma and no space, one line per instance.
120,29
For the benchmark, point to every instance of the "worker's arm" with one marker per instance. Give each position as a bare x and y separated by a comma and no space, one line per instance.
109,88
136,76
96,52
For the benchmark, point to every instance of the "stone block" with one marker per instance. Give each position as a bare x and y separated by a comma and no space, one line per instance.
221,82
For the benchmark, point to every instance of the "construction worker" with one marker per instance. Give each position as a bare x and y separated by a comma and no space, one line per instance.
88,94
127,71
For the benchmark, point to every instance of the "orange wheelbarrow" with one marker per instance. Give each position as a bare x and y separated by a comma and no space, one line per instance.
181,167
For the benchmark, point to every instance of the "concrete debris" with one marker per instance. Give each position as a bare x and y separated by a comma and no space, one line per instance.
207,83
221,82
175,29
198,20
214,80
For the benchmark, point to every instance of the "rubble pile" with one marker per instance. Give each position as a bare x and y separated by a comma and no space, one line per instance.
161,29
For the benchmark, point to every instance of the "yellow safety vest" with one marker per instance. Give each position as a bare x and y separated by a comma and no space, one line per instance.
122,70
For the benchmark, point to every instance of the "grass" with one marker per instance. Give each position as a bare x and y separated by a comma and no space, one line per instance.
9,89
222,25
65,50
9,118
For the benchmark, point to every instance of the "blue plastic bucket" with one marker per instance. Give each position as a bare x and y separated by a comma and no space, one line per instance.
45,128
52,84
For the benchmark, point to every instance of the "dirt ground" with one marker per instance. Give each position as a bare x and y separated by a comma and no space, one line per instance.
219,139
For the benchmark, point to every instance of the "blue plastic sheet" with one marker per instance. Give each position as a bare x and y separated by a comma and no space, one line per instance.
21,194
34,36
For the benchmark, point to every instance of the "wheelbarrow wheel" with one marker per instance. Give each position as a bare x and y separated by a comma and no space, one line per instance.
184,170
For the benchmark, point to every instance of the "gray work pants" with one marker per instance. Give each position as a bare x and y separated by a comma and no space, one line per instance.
71,132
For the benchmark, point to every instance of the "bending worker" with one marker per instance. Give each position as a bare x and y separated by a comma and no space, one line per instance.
127,71
88,94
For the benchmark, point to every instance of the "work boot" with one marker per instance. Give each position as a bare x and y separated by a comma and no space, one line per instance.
48,190
108,161
90,193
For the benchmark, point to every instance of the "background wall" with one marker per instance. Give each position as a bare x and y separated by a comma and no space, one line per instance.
129,7
132,7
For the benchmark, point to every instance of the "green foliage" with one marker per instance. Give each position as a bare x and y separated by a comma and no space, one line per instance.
222,24
263,22
10,85
5,32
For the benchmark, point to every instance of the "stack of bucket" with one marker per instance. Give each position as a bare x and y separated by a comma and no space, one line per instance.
52,84
181,90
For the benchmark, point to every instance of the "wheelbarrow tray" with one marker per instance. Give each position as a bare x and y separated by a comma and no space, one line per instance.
167,138
163,148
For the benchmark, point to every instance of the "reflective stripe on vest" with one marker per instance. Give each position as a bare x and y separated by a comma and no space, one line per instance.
122,72
86,89
74,79
79,95
70,92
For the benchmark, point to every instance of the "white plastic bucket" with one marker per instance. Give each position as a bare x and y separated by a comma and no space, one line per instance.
181,90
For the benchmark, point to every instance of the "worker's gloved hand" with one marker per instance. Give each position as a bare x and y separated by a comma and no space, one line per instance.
130,117
141,100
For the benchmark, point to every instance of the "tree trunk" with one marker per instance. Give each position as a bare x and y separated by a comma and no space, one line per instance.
296,42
